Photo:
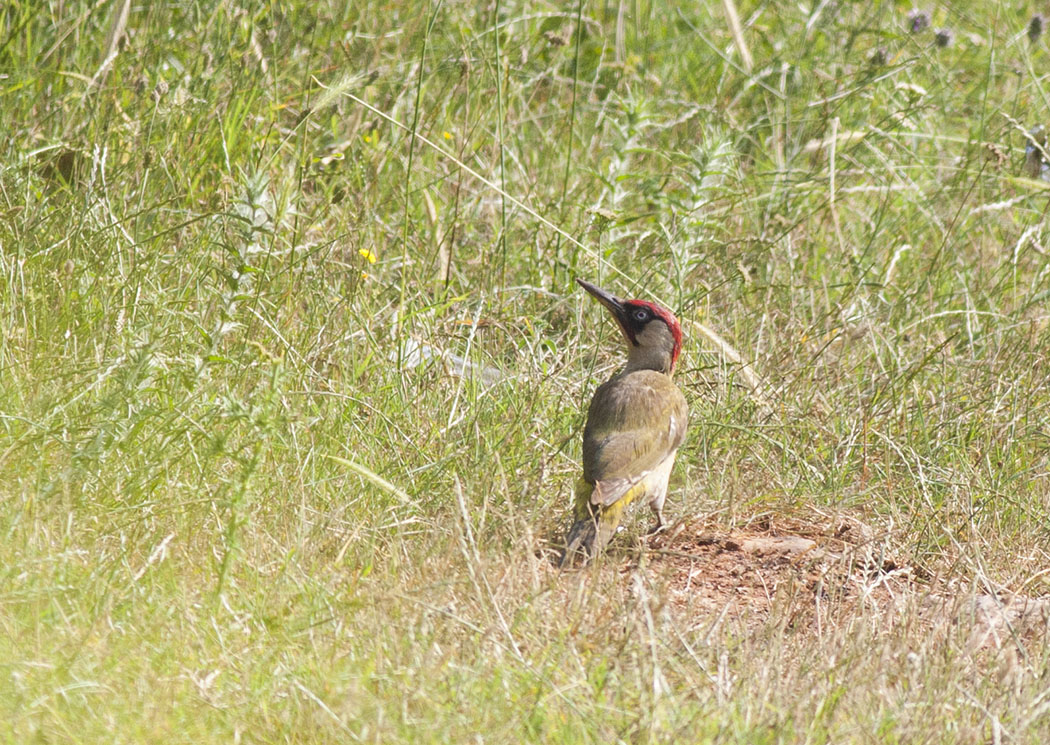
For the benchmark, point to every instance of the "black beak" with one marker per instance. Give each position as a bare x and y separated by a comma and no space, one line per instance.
610,301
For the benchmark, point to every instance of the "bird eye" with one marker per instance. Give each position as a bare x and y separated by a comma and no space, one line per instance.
641,315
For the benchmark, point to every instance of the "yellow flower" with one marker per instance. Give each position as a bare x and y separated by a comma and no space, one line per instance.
447,135
368,254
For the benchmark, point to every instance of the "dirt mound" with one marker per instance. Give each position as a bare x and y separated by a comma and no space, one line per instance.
821,576
742,575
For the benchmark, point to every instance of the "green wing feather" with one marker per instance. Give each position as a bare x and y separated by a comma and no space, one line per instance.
634,422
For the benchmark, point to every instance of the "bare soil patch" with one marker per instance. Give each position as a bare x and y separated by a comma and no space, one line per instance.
821,576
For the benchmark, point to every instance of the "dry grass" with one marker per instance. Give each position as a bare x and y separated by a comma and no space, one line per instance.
291,398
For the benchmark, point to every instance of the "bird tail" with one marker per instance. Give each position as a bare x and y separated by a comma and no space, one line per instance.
593,528
580,541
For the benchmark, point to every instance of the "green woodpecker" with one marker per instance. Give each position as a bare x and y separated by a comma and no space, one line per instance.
635,423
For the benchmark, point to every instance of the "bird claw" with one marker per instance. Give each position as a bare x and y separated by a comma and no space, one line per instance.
660,527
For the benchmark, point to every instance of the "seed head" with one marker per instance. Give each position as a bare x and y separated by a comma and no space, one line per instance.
1035,153
1035,28
918,21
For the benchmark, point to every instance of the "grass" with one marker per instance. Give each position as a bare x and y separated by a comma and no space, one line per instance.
245,494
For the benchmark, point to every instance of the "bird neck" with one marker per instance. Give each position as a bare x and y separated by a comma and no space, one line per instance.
648,358
652,349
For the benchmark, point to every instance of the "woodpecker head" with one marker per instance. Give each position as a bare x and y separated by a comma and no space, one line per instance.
652,333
